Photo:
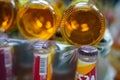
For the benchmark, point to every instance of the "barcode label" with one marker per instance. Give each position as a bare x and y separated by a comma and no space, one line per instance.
43,65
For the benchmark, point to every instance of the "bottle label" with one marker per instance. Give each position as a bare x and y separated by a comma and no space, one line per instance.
86,71
42,67
6,70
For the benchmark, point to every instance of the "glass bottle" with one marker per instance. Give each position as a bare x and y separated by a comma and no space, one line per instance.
37,19
86,65
64,64
43,56
83,24
23,58
6,61
7,10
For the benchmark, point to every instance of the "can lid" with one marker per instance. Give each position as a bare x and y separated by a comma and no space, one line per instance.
88,51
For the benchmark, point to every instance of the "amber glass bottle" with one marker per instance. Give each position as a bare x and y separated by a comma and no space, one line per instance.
83,24
37,19
7,14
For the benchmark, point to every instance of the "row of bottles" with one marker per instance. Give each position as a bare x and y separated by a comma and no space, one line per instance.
70,64
46,14
51,61
38,19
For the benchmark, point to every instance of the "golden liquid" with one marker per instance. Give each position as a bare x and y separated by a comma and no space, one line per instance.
36,21
6,16
83,26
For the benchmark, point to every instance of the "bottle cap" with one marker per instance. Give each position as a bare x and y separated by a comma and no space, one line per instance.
88,51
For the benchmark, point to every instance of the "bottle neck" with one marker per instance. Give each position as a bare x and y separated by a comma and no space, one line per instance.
81,0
